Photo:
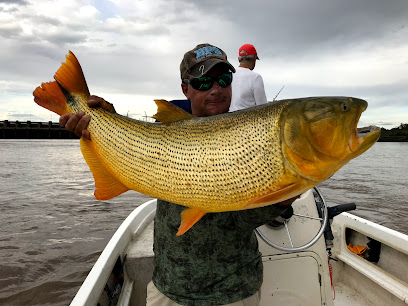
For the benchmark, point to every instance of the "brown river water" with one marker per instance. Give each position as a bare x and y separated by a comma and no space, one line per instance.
52,229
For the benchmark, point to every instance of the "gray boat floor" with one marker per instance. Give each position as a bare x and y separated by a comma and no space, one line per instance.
345,295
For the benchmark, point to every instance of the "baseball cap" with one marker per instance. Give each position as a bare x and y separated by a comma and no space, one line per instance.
248,49
201,59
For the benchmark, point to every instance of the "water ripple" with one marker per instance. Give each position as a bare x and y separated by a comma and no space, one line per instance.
51,221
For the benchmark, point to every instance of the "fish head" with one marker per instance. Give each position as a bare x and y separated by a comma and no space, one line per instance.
320,135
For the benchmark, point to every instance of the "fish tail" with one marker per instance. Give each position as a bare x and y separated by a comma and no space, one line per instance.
71,77
50,96
70,80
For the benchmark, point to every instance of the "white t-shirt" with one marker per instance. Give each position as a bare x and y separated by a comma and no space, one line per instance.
247,89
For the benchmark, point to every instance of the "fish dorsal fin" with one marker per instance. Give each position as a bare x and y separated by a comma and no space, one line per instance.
107,186
189,217
167,112
71,77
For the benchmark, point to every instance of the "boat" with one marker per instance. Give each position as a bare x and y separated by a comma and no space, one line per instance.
313,255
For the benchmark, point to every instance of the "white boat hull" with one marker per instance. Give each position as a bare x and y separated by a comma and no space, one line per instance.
290,278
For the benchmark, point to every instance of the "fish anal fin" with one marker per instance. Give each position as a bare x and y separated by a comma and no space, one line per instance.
189,217
167,112
276,196
107,186
50,96
71,77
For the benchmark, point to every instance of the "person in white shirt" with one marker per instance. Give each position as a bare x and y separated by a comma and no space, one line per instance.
247,85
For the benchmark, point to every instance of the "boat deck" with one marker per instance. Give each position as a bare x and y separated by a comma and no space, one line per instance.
139,263
346,295
303,277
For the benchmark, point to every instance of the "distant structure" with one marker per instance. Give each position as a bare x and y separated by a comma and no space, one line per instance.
52,130
33,130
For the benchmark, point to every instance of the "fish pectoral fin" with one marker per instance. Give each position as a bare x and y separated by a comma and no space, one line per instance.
107,186
167,112
189,217
275,196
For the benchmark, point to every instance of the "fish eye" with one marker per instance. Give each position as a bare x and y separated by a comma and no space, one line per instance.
344,107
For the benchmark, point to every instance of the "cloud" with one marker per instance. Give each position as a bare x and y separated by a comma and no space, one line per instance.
20,117
14,2
303,27
60,39
43,20
134,26
10,30
133,49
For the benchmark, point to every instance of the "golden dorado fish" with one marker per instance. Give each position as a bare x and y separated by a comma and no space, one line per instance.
234,161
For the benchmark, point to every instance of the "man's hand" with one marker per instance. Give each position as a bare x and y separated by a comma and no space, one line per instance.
95,101
78,122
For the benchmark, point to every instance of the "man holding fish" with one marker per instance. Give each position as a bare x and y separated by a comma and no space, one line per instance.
217,262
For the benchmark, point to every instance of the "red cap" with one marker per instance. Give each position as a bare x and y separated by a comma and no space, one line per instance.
248,49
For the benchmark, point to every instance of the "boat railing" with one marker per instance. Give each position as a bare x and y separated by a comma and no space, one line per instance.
390,277
100,273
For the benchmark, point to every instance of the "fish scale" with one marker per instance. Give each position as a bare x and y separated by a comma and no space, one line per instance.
199,167
234,161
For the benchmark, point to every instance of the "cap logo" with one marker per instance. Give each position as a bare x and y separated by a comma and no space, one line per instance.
207,51
201,69
243,52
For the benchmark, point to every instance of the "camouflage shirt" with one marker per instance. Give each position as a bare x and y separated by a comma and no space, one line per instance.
216,262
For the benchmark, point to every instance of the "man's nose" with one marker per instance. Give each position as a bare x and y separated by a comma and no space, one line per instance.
216,87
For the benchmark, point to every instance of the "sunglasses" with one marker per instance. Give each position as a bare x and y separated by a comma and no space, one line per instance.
206,82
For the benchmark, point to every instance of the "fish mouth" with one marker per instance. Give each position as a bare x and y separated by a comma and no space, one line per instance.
364,131
363,138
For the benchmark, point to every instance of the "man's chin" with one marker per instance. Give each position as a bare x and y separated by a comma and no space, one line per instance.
216,108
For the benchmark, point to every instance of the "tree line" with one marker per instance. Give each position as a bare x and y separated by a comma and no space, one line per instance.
399,133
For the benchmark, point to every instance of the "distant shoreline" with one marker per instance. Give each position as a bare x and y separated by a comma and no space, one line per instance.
393,139
52,130
33,130
398,134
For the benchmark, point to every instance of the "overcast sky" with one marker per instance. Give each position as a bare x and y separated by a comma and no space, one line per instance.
130,50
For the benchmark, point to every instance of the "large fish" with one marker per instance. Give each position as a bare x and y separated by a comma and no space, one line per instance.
234,161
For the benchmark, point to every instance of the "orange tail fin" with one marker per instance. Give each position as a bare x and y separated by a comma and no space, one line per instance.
50,96
71,78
